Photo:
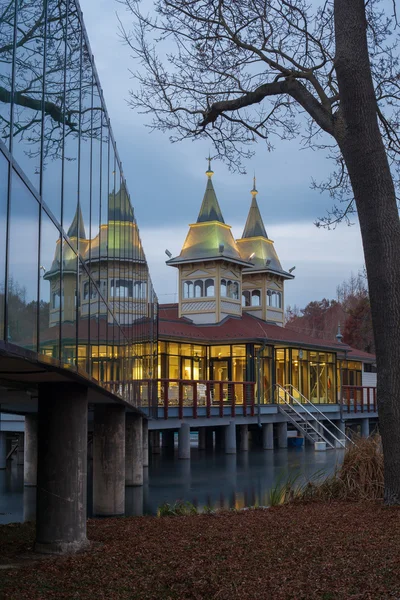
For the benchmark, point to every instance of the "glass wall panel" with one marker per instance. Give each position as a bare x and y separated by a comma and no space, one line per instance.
73,135
23,266
54,97
7,10
49,289
3,229
68,305
29,65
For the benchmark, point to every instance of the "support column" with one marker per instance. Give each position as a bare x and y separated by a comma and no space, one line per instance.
20,449
109,460
62,468
209,438
155,442
202,438
3,449
230,438
365,428
145,443
168,439
282,435
244,438
133,449
268,436
30,450
219,438
184,442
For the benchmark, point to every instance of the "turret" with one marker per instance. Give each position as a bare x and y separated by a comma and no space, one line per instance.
210,265
263,281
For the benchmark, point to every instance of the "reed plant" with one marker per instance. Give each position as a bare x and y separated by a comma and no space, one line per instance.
359,477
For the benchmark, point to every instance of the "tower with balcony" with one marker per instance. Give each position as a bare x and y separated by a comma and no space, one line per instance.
263,280
210,265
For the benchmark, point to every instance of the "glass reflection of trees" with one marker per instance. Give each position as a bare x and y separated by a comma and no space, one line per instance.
78,288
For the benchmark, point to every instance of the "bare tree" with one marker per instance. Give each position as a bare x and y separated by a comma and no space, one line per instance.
237,72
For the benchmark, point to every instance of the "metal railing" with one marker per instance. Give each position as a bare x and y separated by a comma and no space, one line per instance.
358,399
303,400
226,396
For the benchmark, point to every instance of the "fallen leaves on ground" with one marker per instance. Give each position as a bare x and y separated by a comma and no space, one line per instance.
330,551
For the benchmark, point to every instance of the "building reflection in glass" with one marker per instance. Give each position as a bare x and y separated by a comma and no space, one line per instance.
74,282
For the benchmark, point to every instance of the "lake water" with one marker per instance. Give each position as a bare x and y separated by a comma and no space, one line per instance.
214,479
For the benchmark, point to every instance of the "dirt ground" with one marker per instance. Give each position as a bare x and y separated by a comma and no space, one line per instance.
310,551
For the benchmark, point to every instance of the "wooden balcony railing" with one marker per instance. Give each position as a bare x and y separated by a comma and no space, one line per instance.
227,396
358,399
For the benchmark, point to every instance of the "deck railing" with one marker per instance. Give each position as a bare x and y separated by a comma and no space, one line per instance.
228,397
358,399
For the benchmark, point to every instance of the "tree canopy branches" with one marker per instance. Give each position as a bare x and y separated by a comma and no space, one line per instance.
238,72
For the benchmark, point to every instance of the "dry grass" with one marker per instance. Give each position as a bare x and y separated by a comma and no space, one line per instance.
359,478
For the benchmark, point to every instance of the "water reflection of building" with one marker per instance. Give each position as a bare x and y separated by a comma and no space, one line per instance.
229,322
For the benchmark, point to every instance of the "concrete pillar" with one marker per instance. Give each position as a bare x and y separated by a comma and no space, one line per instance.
268,436
364,428
230,438
133,449
184,441
219,438
155,442
145,443
209,438
282,435
168,439
109,460
3,449
20,449
62,468
202,438
30,450
244,438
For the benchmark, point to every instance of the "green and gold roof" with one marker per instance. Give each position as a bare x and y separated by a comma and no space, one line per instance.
209,238
255,245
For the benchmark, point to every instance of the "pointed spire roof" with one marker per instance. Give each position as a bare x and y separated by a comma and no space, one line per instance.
210,210
254,225
120,207
77,227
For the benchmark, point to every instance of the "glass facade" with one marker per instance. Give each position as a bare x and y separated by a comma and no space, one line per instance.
74,283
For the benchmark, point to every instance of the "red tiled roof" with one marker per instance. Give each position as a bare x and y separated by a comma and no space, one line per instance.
245,328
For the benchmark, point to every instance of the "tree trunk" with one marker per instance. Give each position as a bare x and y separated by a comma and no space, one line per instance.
359,138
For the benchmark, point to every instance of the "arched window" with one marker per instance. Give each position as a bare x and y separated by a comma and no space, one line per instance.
188,289
274,299
246,298
198,288
223,287
209,288
235,290
140,289
121,288
256,298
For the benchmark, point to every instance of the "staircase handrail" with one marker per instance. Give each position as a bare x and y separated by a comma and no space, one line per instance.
308,401
311,415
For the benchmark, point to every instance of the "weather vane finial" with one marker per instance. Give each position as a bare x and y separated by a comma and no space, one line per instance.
209,171
254,191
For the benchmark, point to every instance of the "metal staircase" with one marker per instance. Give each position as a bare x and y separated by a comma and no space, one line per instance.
296,407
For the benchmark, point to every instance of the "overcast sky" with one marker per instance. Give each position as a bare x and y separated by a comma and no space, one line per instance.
167,181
